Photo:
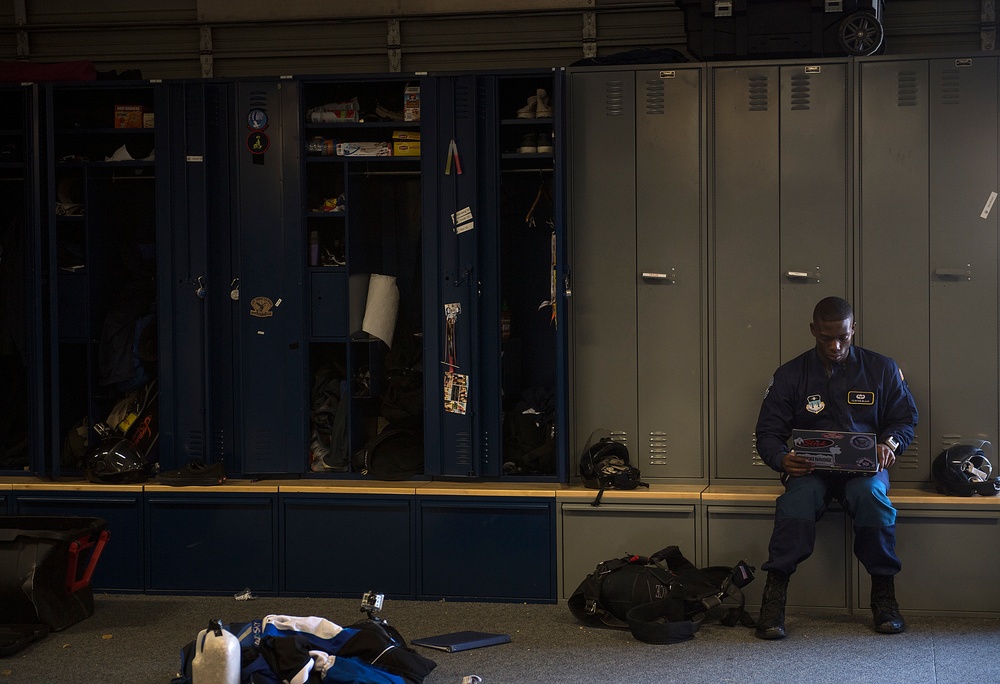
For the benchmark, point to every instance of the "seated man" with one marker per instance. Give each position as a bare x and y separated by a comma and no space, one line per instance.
834,386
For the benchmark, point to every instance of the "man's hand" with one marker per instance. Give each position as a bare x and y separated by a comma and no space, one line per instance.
885,456
796,465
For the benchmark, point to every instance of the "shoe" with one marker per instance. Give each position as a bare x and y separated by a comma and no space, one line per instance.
529,144
545,143
194,473
543,109
528,110
885,610
771,621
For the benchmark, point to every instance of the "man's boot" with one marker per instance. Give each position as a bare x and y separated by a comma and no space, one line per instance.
771,622
885,610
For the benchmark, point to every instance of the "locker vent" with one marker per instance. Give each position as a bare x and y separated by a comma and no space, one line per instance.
654,97
258,99
195,444
194,105
463,449
261,444
614,98
951,86
464,102
755,459
801,91
907,93
657,448
909,459
758,93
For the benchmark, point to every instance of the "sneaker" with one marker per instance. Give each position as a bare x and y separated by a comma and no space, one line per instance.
543,110
529,144
528,110
545,142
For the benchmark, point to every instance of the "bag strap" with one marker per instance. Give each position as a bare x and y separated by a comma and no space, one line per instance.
674,560
662,622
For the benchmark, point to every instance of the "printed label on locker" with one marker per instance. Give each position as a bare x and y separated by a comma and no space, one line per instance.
989,205
462,220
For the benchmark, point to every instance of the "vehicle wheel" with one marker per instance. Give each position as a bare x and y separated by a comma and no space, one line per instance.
861,34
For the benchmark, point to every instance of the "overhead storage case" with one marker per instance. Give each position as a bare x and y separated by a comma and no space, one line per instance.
718,29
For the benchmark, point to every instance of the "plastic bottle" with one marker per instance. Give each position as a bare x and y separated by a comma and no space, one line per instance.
314,248
217,656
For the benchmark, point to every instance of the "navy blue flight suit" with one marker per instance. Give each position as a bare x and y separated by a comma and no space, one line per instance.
864,393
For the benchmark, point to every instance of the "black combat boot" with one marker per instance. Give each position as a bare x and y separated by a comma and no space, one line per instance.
771,622
885,610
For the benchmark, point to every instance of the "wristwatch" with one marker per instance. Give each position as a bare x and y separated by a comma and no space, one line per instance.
892,443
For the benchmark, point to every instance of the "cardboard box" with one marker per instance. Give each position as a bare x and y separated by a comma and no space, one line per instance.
128,116
406,149
411,103
406,135
364,149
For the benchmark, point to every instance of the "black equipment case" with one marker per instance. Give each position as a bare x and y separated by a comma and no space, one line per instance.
735,29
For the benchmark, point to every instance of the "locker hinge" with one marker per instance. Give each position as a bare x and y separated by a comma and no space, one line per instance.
589,34
988,25
393,46
21,19
206,52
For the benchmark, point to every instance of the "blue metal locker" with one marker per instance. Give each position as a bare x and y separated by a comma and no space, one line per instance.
451,251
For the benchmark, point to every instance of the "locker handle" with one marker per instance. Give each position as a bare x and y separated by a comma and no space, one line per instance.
954,272
666,277
798,274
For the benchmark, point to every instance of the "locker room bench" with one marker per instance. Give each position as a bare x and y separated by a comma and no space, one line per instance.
935,535
425,539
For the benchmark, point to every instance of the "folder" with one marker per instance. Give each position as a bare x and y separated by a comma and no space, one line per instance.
462,641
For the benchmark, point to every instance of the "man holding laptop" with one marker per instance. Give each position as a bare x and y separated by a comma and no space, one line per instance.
848,411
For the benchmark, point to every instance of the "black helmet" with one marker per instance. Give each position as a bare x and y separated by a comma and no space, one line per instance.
115,461
964,470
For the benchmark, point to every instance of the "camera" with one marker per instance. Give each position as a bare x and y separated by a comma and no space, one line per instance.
371,603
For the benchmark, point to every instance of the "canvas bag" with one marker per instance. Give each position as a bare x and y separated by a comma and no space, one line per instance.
662,599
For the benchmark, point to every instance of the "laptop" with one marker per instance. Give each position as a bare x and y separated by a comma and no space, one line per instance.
462,641
852,452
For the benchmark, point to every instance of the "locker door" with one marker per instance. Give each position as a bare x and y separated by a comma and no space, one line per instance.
603,315
196,360
963,252
746,256
451,346
814,197
670,273
269,306
893,299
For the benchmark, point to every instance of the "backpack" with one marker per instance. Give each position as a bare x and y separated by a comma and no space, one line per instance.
662,599
605,464
396,453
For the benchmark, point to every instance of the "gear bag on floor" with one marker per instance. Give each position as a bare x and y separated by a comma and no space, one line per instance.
662,599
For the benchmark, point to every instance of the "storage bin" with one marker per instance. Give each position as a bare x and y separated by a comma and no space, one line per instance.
46,563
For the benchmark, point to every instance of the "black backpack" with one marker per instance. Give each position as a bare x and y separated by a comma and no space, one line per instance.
662,599
605,464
